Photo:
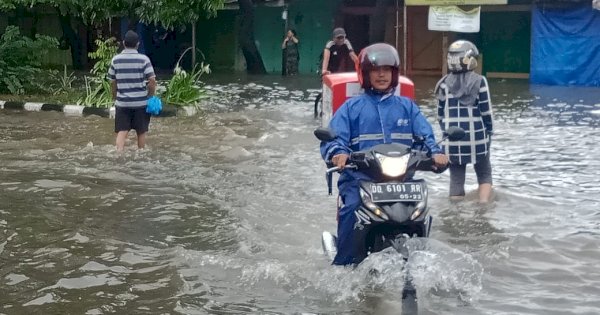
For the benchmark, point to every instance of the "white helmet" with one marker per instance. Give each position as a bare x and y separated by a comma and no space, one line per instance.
462,56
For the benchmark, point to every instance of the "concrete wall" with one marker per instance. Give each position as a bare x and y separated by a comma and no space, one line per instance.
218,41
312,20
504,42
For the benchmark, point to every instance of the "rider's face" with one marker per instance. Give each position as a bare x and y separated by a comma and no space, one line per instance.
339,40
381,78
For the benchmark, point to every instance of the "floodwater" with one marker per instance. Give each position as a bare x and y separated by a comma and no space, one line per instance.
222,214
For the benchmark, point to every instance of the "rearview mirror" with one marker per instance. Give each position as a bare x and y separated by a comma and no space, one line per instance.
324,134
455,133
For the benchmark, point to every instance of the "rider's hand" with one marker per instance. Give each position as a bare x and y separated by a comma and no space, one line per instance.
340,160
440,160
325,72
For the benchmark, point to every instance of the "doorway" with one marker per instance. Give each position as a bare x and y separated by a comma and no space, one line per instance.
357,30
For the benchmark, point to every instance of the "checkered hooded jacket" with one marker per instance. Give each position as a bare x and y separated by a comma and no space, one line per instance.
464,101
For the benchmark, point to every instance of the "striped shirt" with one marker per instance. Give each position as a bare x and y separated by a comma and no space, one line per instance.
131,70
475,119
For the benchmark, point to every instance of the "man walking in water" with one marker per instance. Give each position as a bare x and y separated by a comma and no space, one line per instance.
132,81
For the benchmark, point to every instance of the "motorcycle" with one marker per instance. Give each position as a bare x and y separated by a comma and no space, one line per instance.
394,203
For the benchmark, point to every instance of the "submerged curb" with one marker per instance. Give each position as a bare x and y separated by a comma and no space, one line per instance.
78,110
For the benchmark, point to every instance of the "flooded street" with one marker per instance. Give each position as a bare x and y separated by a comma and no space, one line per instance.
223,213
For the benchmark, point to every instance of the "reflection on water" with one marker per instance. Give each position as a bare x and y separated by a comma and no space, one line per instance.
567,105
223,213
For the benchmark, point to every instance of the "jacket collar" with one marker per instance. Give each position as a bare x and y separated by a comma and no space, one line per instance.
380,97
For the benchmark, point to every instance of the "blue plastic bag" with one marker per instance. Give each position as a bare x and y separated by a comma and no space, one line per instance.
154,106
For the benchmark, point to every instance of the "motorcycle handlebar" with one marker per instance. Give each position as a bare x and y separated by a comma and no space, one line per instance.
337,168
425,164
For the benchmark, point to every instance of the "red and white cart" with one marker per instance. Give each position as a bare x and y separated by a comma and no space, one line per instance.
338,87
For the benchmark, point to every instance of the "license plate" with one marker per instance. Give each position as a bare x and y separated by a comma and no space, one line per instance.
395,192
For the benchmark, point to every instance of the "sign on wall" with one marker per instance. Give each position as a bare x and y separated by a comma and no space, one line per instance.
453,19
454,2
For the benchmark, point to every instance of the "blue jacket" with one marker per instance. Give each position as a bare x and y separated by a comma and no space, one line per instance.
370,119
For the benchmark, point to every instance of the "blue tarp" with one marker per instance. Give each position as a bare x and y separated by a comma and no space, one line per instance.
565,45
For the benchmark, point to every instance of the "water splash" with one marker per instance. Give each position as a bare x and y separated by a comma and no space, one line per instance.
442,270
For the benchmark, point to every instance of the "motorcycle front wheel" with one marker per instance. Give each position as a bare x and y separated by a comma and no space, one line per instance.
319,105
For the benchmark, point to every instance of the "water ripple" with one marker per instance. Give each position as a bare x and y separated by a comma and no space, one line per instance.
222,213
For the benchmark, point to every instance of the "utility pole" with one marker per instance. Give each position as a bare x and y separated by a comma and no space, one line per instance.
397,25
284,16
405,49
193,45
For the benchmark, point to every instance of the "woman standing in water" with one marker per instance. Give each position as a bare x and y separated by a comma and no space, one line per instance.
291,55
464,101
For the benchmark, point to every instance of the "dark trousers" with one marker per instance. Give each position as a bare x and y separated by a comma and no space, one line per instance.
349,192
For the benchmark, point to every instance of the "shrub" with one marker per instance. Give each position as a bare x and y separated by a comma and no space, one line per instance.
185,88
105,51
20,60
97,94
98,91
63,82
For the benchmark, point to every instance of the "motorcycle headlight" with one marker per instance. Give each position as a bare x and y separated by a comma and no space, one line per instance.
393,166
368,202
420,207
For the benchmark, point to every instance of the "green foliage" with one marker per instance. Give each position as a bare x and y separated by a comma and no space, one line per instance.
90,11
185,88
6,5
63,82
20,60
169,13
98,92
105,51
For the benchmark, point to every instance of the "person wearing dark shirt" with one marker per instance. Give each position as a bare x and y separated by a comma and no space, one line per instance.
338,55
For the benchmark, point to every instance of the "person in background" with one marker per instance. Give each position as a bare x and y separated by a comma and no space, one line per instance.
291,53
338,55
464,101
374,117
132,81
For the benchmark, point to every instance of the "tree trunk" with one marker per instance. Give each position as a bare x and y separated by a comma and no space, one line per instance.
34,23
254,62
378,21
72,40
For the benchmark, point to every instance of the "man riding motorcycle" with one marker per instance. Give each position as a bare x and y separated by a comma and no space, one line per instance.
375,117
